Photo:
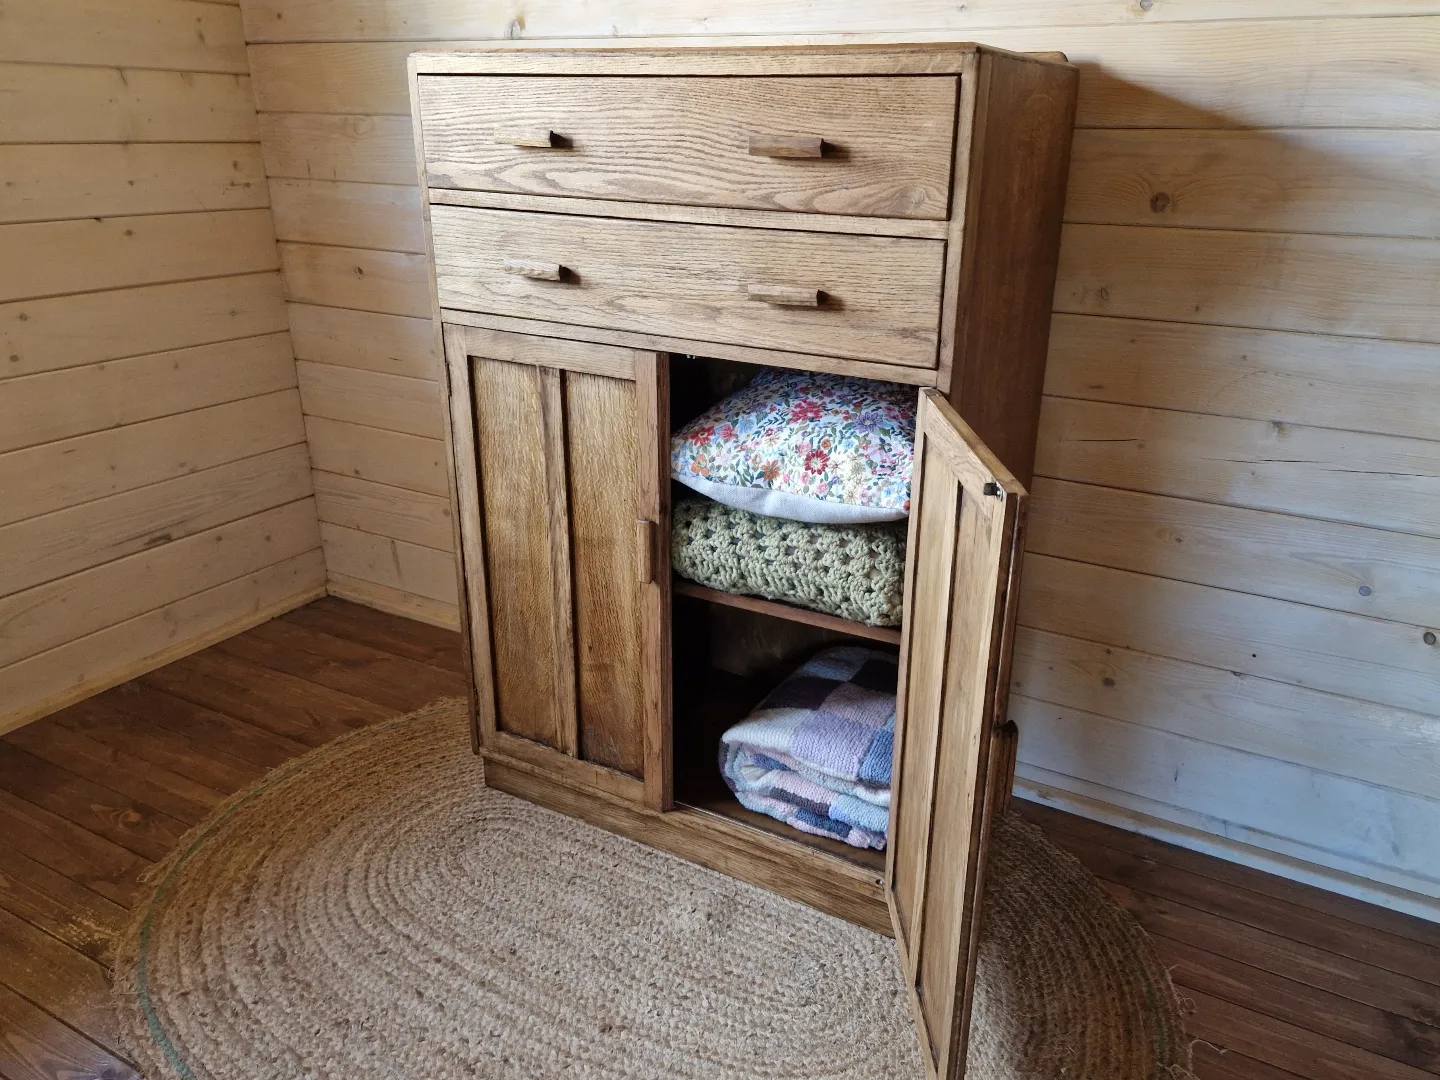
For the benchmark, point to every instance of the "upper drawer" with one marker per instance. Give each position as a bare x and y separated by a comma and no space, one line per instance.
861,297
884,143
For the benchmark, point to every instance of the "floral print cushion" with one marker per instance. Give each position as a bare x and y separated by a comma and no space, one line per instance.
826,449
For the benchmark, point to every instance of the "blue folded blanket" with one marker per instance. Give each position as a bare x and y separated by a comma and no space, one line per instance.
816,753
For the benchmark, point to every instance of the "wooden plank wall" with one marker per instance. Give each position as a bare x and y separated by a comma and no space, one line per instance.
1236,539
155,490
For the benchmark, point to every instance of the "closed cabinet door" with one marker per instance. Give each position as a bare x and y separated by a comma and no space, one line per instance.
954,752
561,503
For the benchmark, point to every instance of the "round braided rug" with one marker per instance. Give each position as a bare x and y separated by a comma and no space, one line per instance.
372,910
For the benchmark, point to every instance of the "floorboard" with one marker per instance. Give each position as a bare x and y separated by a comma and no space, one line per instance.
1287,982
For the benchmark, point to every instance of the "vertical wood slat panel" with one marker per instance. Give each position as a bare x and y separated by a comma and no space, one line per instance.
603,443
554,421
514,499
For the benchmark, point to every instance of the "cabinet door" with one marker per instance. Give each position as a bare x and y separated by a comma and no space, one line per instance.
557,451
954,754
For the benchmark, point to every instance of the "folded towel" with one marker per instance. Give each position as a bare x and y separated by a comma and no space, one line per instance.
816,753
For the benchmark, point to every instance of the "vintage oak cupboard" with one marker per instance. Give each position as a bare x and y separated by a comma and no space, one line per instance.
615,233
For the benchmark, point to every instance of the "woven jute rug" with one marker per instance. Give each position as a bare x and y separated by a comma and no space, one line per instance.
372,910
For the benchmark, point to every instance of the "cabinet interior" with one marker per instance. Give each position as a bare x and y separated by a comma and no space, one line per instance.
728,651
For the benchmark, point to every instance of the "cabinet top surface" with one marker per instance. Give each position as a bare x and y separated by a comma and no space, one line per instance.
710,56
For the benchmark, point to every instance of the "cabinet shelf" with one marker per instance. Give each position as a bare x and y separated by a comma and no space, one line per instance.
890,635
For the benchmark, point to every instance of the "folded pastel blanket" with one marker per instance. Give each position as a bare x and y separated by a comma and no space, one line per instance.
816,753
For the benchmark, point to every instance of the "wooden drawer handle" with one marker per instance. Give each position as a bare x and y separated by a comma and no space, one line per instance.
535,271
784,295
787,146
542,138
645,548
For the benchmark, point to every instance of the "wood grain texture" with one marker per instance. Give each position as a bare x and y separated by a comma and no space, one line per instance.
365,215
882,293
1270,73
687,141
888,634
947,786
412,516
156,482
384,457
393,344
53,182
371,398
70,331
379,20
1375,572
113,253
1336,382
91,533
61,609
387,282
62,474
603,432
51,680
77,401
53,103
1326,813
1381,745
1327,180
1389,663
316,146
1263,280
394,601
517,543
1013,197
1264,465
178,35
398,564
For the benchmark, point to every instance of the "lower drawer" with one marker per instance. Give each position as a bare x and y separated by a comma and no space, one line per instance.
859,297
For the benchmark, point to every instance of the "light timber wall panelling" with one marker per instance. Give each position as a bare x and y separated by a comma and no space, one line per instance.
394,344
388,282
71,331
1235,528
52,103
1377,183
45,183
1381,745
1372,385
305,146
355,215
392,402
112,253
157,488
76,401
1260,73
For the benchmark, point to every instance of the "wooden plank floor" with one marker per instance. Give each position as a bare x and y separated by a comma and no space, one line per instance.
1287,981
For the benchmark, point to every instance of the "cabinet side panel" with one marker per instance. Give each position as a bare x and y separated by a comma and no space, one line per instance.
514,499
603,451
1015,195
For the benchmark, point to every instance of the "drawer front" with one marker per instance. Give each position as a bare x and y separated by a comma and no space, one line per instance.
859,297
877,146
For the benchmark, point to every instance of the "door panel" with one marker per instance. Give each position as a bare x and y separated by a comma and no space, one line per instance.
556,459
510,420
954,767
602,442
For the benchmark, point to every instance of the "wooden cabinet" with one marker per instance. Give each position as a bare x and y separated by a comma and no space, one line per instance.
616,233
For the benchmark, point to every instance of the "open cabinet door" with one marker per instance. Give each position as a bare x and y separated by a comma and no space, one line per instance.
953,758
